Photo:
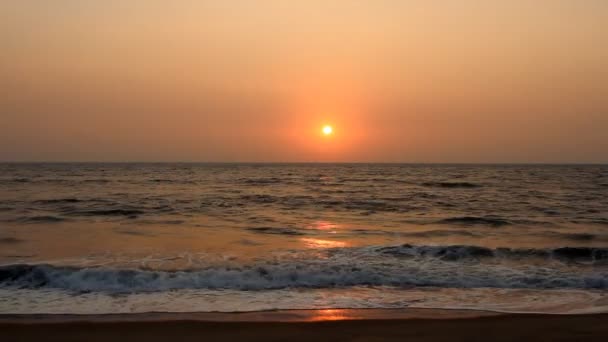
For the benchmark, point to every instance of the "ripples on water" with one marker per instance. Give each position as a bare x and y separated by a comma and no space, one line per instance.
151,228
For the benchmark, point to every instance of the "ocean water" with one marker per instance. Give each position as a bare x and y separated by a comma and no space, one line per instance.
116,238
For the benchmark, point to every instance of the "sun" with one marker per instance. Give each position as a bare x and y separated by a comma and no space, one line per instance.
327,130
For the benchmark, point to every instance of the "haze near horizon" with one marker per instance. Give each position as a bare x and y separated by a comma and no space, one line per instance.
397,81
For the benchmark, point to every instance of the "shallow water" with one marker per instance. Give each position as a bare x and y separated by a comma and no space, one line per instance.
97,238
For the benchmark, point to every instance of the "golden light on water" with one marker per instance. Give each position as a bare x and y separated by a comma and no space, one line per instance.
332,315
324,225
321,244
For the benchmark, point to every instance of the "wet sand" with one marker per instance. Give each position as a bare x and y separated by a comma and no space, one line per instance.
310,325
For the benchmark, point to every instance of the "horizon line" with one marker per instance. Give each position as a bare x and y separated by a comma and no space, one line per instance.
301,162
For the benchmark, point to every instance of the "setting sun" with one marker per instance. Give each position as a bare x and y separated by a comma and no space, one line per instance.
327,130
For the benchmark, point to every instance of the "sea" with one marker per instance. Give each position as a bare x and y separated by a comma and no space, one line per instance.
102,238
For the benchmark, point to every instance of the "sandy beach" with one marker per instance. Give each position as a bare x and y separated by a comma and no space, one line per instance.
333,325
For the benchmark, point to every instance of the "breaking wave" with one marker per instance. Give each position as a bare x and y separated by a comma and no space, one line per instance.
400,266
458,252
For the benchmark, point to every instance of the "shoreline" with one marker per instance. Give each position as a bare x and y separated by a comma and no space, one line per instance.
282,316
306,325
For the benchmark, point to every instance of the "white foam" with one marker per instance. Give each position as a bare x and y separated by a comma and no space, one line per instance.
337,271
51,301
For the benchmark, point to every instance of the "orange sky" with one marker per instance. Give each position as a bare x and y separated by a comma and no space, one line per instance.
229,80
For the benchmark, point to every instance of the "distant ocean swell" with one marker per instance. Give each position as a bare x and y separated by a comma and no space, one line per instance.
62,209
133,213
401,266
412,208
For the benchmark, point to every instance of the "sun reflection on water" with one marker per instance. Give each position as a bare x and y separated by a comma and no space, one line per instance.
331,315
323,225
318,243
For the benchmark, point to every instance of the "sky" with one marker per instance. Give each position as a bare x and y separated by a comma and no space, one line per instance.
466,81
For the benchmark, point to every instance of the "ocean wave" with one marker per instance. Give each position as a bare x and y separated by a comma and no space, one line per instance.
58,201
41,219
400,266
452,185
572,236
161,180
474,221
348,203
261,181
276,231
9,240
581,253
262,199
70,180
459,252
372,205
15,180
170,181
97,181
108,212
439,233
